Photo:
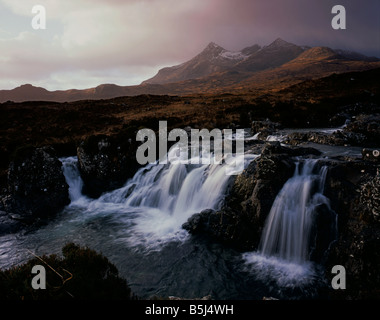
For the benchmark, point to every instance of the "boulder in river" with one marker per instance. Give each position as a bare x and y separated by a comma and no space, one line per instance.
36,184
265,128
106,162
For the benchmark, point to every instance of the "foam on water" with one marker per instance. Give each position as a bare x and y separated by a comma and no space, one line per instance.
158,199
285,274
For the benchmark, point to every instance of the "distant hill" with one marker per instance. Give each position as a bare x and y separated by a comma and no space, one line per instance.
217,70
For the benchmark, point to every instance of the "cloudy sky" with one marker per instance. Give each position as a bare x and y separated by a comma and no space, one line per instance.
90,42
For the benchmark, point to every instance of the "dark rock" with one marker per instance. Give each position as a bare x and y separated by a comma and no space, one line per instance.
353,189
354,139
304,151
77,274
253,146
198,222
337,138
370,198
265,128
324,232
275,147
343,182
106,162
358,251
296,138
371,154
368,126
7,224
36,184
339,119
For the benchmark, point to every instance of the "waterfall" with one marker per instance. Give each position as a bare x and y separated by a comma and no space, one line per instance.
287,229
158,199
176,190
73,178
284,248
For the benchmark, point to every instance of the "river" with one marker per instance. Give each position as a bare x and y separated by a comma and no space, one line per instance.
138,228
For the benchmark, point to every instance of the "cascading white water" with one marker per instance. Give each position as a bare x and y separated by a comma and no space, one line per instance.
287,229
159,198
73,178
284,246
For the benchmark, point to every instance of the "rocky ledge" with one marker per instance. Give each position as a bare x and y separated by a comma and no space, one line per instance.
106,162
363,130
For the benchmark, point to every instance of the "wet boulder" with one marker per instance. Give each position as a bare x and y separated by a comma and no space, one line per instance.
106,162
199,222
265,128
36,184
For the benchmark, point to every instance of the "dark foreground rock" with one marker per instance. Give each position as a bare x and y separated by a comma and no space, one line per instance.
106,162
353,189
81,274
357,248
36,184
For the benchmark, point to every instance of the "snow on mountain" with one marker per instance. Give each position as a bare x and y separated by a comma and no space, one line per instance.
237,56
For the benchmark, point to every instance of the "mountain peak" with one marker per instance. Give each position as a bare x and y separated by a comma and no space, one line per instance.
216,61
29,87
280,43
212,45
26,85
